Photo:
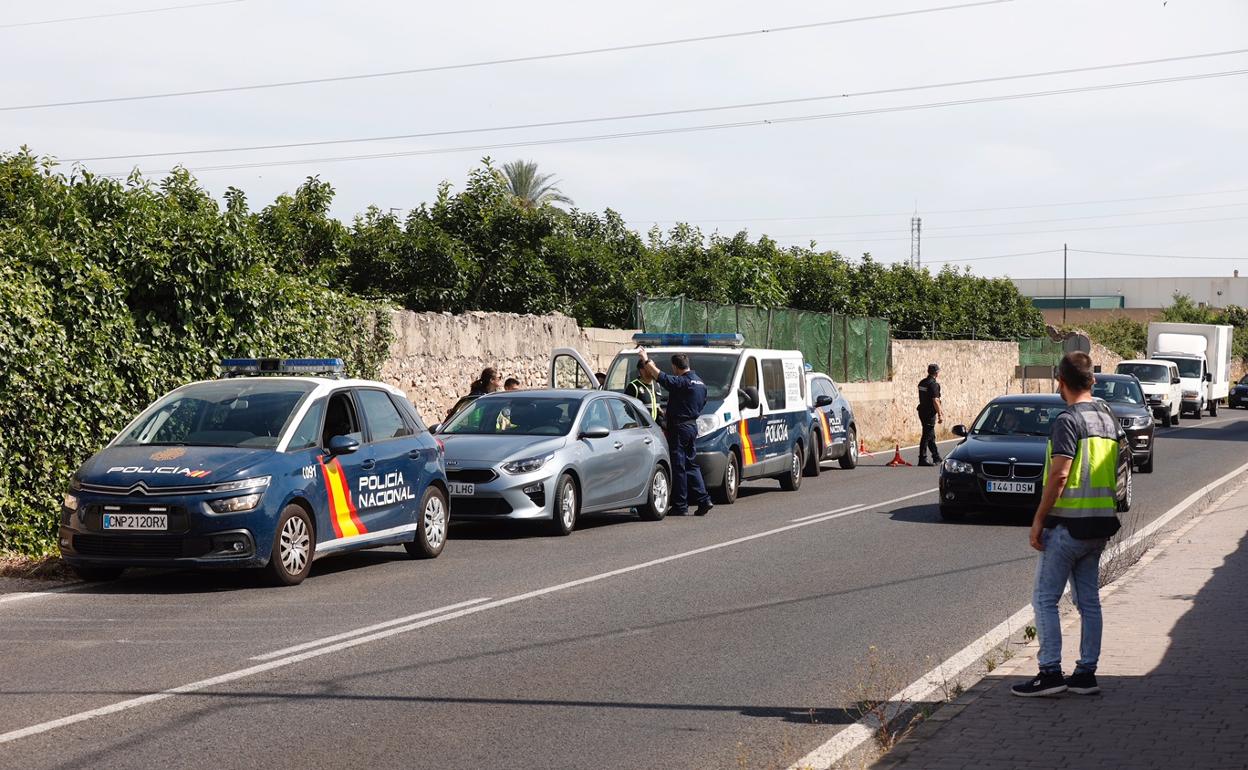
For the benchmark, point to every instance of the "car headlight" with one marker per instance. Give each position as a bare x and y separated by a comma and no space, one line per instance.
527,465
958,466
709,423
1140,421
236,504
259,482
70,502
1190,394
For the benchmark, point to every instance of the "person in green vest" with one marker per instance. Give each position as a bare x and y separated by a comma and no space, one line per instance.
1078,513
642,389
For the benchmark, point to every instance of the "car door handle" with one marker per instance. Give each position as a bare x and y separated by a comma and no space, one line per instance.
618,445
369,464
649,441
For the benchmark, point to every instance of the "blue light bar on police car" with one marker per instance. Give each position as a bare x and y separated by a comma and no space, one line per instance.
665,340
233,367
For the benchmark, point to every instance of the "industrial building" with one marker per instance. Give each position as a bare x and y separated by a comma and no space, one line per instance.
1088,299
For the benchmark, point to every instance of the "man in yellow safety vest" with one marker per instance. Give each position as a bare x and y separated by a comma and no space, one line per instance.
1077,514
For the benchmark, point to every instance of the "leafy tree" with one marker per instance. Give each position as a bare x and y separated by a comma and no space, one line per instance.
530,188
1120,334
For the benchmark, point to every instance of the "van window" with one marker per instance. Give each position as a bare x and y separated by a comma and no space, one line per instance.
749,375
773,383
309,428
715,369
1147,372
340,419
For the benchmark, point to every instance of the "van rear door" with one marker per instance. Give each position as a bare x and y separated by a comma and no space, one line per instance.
570,370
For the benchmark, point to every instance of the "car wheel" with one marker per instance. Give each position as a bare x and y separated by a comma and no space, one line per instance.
792,479
1213,408
816,454
1174,418
952,513
1147,465
567,507
1197,412
431,526
293,545
726,492
1124,504
660,495
97,574
849,460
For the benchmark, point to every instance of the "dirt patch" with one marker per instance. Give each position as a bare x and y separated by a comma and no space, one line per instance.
32,573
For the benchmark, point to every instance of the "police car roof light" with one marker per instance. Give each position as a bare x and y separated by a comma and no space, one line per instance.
237,367
669,340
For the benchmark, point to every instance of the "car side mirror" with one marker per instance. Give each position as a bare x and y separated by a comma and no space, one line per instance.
823,401
343,445
960,430
434,428
1175,380
599,432
1208,376
747,398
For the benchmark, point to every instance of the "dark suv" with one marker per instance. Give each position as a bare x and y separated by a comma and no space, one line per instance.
1126,398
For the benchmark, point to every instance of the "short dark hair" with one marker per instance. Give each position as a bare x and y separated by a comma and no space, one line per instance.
511,381
1075,370
680,362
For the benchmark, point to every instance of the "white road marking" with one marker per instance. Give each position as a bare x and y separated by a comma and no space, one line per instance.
825,513
925,687
365,630
346,644
23,595
838,513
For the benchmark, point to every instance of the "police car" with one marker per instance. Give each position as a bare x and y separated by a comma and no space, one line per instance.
267,471
833,432
756,423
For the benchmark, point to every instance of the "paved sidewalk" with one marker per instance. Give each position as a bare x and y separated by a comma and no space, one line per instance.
1173,674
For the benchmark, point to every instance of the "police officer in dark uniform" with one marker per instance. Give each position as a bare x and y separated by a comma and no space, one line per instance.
686,395
642,389
930,413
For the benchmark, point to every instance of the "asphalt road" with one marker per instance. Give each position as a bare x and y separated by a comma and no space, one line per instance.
726,641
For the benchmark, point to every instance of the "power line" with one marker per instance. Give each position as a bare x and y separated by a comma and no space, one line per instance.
509,60
948,211
1040,232
663,113
118,13
715,126
1160,256
1021,221
997,256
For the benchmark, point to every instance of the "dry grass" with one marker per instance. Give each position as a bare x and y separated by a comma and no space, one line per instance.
34,567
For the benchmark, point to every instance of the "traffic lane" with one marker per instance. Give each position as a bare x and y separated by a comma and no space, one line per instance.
717,720
673,666
203,660
165,629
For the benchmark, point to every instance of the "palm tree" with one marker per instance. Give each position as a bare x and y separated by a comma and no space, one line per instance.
530,188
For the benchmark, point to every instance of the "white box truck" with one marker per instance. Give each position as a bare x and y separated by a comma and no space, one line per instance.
1203,354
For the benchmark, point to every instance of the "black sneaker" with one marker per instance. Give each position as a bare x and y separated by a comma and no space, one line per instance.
703,509
1082,683
1041,684
922,463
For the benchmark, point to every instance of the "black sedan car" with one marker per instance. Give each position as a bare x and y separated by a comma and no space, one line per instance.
1000,463
1126,398
1239,394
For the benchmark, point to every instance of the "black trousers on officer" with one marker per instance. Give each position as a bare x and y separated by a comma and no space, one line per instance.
686,473
928,442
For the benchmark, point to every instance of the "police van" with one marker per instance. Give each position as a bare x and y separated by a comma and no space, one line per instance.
275,464
756,423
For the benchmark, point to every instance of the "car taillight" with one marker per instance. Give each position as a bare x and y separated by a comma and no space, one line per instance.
441,446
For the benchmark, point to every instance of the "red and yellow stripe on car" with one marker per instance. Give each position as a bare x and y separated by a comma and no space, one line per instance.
823,420
342,513
747,446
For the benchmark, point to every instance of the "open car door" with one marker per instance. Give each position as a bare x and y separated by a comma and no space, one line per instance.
570,370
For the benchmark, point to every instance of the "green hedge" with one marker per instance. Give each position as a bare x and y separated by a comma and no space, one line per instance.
111,294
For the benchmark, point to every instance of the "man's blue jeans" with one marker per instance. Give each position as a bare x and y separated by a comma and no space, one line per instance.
1063,559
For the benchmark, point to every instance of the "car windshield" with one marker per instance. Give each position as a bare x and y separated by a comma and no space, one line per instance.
715,369
1017,419
1119,391
1188,367
248,412
1147,372
515,416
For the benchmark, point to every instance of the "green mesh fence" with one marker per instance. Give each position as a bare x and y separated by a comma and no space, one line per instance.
1040,351
849,349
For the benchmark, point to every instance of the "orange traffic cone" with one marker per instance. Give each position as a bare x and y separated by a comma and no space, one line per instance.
862,448
897,460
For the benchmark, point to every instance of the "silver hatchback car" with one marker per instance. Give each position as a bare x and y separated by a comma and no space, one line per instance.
554,455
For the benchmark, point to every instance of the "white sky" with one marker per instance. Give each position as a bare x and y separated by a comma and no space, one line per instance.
1186,137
